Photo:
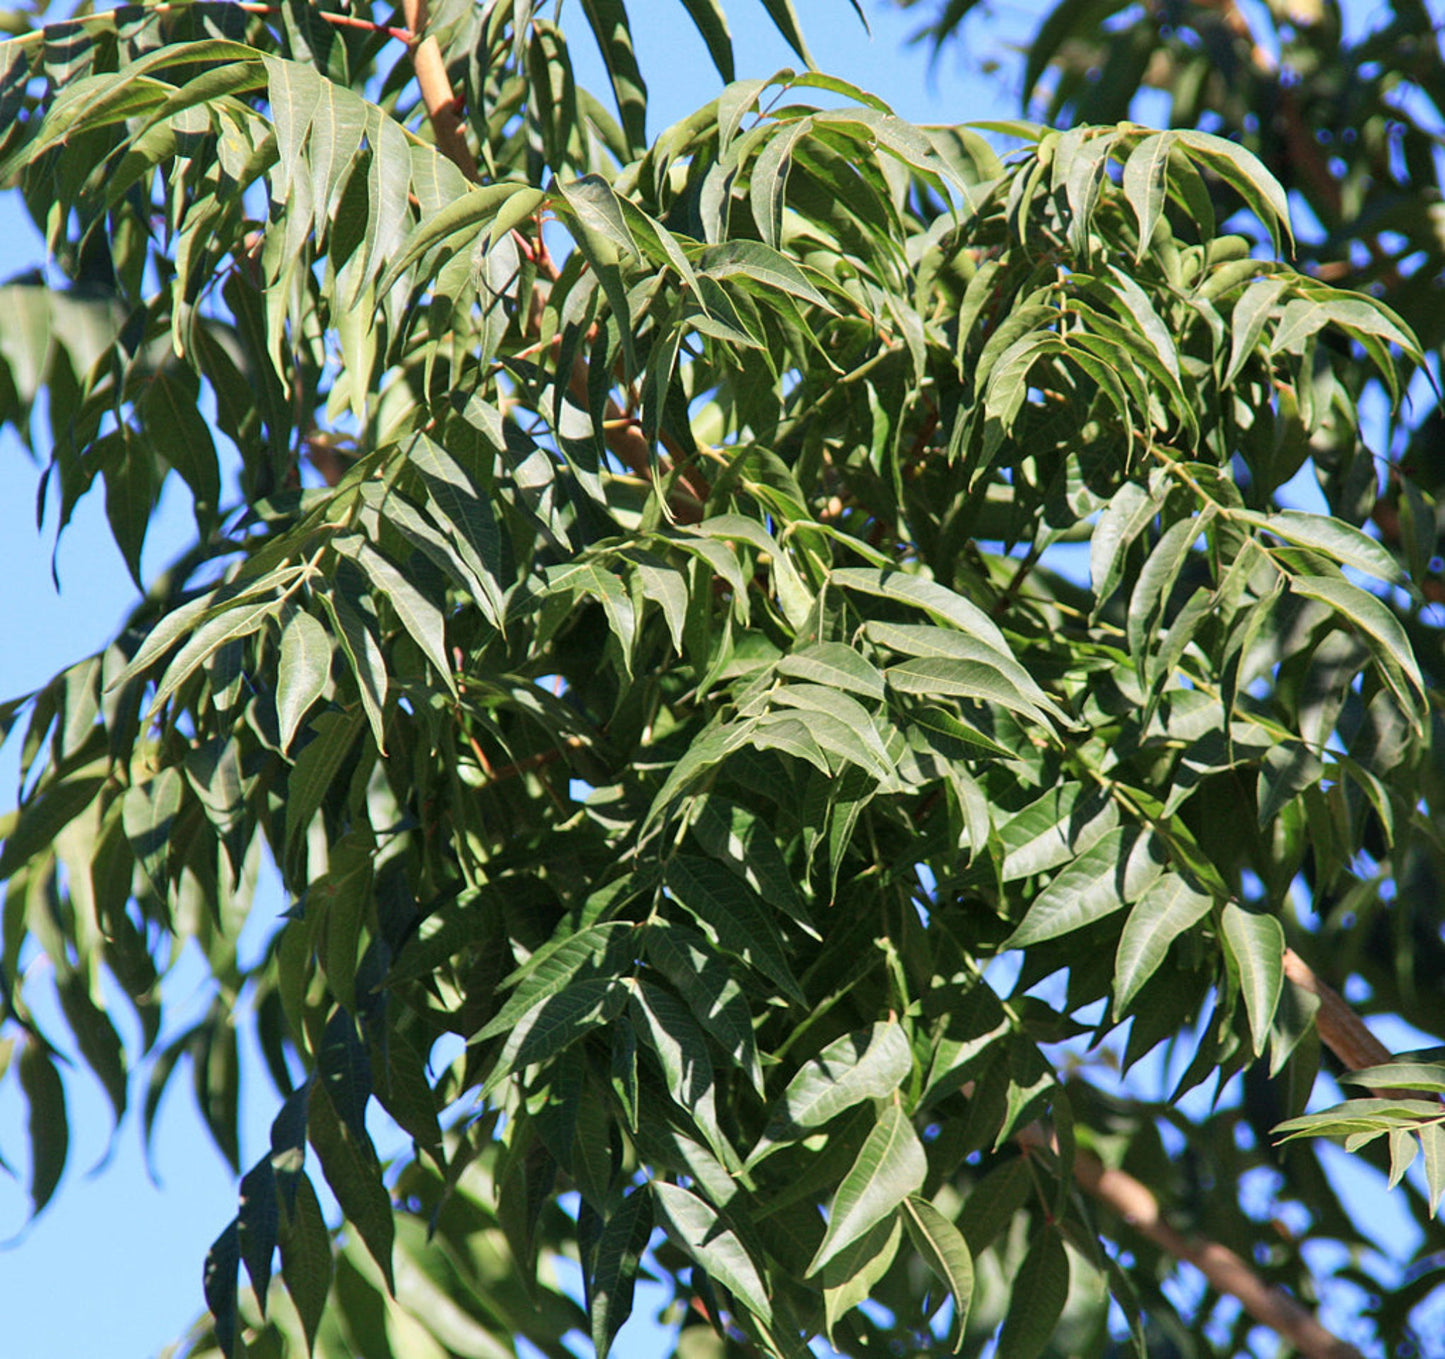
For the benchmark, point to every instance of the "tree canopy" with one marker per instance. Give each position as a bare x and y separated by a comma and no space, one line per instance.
773,660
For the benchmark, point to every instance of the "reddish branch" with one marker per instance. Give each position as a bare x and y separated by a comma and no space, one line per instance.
436,90
624,436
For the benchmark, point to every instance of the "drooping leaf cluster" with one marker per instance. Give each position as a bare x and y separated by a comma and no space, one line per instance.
643,636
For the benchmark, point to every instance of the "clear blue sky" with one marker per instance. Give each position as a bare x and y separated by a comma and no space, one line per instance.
113,1266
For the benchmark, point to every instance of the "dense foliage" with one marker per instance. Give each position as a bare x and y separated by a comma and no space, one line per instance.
690,604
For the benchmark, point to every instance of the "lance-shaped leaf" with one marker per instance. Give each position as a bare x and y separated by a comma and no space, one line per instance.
945,1251
665,1025
1159,917
1381,629
1105,878
354,1174
304,672
614,1267
890,1166
1256,944
1040,1289
704,981
729,910
705,1238
598,951
869,1064
306,1258
849,1277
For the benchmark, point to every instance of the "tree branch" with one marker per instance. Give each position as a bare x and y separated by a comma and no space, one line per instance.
1344,1033
1340,1028
1226,1272
436,90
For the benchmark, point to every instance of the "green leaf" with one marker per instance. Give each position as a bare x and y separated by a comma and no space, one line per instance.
1145,187
663,1022
306,1259
849,1277
1040,1289
1255,306
1372,1116
768,187
44,818
598,950
761,269
946,644
1149,600
943,677
993,1201
464,217
1256,943
97,1039
702,1236
840,725
737,838
1398,1076
712,24
608,19
555,1022
704,980
599,210
466,517
219,1285
1160,916
313,774
615,1265
834,665
343,1070
232,625
945,1251
1343,541
363,657
1432,1144
1052,830
1381,628
303,673
1244,172
1102,880
46,1123
889,1167
1123,520
258,1223
149,814
419,616
354,1174
1403,1150
785,17
869,1064
728,910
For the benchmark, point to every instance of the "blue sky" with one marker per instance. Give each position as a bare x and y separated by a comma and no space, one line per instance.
113,1266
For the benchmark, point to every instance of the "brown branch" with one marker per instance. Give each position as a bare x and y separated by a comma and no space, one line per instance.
1344,1033
630,446
1340,1028
436,90
1227,1272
